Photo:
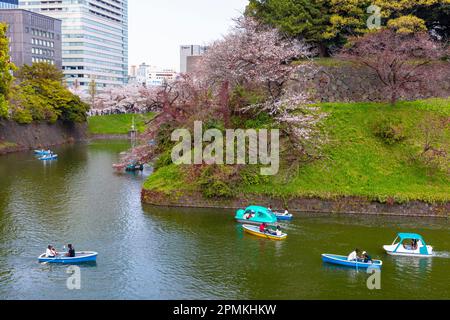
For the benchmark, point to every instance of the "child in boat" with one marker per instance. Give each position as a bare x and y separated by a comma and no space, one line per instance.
286,212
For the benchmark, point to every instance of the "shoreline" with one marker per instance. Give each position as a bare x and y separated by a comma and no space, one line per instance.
343,205
20,148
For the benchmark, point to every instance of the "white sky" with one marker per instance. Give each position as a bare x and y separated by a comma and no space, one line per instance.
157,28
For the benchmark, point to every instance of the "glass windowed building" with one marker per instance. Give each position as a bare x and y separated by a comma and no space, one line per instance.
94,39
9,4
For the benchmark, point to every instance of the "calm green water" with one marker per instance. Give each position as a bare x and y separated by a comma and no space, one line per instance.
154,253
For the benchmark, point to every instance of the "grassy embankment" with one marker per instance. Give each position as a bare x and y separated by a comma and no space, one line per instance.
357,162
117,123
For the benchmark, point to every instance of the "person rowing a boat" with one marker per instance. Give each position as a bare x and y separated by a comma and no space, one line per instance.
263,227
71,252
51,252
366,257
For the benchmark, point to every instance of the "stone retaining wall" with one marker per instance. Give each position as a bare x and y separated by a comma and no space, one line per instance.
40,135
347,83
350,205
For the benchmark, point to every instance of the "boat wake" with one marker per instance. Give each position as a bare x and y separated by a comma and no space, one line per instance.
443,254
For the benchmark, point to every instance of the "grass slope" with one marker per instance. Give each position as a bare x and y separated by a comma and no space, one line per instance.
357,163
117,123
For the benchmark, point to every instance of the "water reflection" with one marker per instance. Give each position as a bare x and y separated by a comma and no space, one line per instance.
156,253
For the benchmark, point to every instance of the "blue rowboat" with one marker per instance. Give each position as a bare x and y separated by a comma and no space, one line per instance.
283,217
134,167
49,157
42,152
85,256
342,260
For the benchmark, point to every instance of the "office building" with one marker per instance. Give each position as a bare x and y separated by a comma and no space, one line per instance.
94,39
190,51
33,37
9,4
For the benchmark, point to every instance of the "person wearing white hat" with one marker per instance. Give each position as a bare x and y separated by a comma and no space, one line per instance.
366,257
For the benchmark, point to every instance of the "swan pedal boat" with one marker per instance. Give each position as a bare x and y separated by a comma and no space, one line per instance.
83,256
49,157
283,217
254,230
342,260
256,215
398,248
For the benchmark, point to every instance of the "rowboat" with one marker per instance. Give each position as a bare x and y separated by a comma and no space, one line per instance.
84,256
342,260
134,167
283,217
254,230
42,152
256,215
49,157
410,245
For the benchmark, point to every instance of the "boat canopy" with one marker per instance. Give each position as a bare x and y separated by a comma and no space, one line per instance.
414,236
258,209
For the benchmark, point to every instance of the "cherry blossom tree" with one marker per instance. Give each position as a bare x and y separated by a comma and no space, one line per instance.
403,63
253,53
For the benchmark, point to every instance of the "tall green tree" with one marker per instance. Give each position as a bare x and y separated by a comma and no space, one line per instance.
298,18
41,96
6,69
329,23
40,71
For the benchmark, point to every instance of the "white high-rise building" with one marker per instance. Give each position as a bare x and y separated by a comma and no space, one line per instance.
94,39
153,76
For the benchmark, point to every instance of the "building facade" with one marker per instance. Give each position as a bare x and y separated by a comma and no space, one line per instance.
153,76
33,37
9,4
94,39
190,51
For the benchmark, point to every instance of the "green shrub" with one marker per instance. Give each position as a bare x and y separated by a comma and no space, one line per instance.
3,107
165,159
217,182
251,176
22,116
390,131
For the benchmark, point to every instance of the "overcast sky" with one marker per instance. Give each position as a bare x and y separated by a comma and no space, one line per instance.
157,28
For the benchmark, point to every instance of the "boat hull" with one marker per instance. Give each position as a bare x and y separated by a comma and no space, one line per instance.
282,217
342,261
80,258
253,230
396,250
45,158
